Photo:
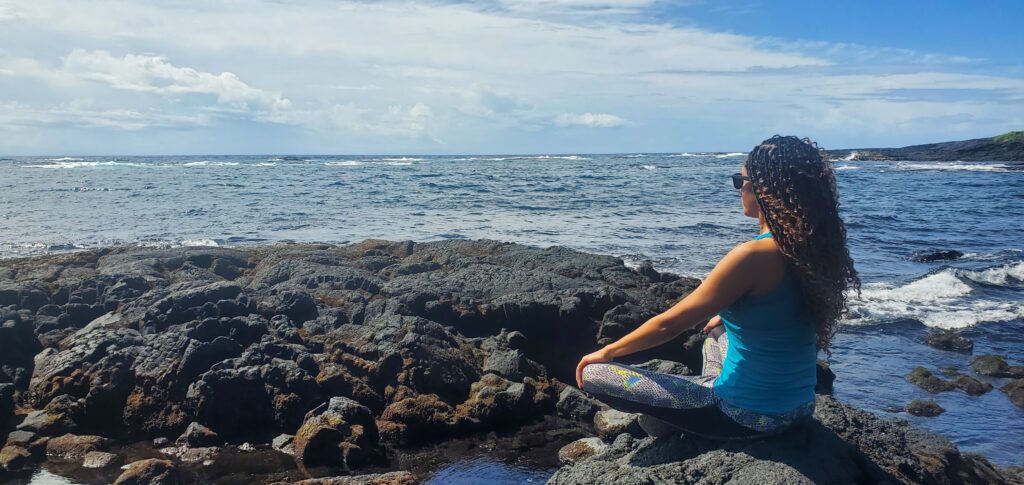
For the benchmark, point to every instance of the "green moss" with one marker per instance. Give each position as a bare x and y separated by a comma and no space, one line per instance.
1009,136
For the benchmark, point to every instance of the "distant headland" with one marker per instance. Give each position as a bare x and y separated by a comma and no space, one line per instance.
1008,147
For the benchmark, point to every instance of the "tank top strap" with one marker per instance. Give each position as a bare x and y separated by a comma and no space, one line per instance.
763,236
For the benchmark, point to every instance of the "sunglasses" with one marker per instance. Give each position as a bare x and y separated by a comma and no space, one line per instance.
737,180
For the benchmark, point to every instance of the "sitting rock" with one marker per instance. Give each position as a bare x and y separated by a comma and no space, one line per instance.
842,445
610,423
149,472
971,385
197,435
14,458
75,447
924,379
344,434
1015,391
995,366
575,404
99,459
936,255
949,340
924,407
416,419
666,367
47,424
580,449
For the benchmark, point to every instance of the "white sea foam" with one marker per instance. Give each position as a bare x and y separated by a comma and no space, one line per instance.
730,155
344,163
401,159
64,159
265,164
199,242
685,154
638,155
847,167
1009,275
942,299
955,166
209,163
650,167
86,164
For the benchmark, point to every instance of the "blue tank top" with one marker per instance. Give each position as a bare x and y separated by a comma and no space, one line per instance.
769,366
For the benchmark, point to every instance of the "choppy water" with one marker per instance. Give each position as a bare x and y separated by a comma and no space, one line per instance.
678,210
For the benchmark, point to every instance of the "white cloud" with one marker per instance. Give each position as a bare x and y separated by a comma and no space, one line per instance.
593,120
79,113
154,74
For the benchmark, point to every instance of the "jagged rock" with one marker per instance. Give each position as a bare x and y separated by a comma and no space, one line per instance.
924,407
47,424
610,423
415,419
995,366
580,449
843,445
936,255
971,385
99,459
924,379
152,471
1015,391
13,458
575,404
344,434
75,447
197,435
825,378
949,340
506,363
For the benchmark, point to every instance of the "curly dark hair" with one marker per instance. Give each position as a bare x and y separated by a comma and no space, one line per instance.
795,188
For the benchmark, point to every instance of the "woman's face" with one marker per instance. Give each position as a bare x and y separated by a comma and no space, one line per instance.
750,208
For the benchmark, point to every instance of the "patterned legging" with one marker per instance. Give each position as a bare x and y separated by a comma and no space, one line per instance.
689,402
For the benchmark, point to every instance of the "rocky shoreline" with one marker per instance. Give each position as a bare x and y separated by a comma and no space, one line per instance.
342,359
1008,147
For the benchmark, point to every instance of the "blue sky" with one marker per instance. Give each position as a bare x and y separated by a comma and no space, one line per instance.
500,76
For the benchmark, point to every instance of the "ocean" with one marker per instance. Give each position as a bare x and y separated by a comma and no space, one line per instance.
677,210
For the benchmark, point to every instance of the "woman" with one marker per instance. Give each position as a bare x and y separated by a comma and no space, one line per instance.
778,299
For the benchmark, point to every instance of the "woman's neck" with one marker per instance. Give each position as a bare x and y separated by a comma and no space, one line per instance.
764,225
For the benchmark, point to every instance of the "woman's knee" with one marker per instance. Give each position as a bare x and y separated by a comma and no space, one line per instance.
594,376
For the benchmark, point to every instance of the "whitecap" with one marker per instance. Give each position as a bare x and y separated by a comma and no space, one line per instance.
730,155
199,242
401,159
650,167
65,159
943,299
86,164
847,167
344,163
208,163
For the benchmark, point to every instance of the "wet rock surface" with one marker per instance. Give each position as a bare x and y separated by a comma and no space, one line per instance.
924,407
949,340
341,356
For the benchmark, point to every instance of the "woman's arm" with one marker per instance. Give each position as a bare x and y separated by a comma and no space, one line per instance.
733,277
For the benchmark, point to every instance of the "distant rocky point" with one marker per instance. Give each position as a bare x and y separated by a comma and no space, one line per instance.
1008,147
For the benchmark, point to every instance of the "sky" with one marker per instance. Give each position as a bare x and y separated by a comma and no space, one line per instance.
113,77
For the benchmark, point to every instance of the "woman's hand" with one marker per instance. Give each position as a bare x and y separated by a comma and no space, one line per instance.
714,322
592,358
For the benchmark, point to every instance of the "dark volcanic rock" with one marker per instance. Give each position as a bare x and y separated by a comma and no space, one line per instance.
1015,391
923,378
949,340
197,435
995,366
350,349
971,385
575,404
936,255
842,445
924,407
